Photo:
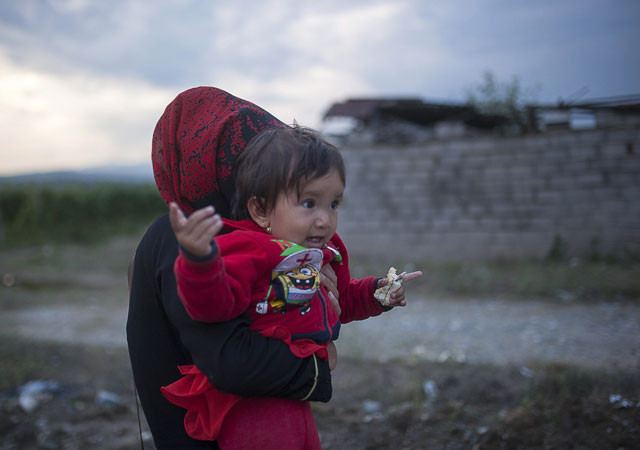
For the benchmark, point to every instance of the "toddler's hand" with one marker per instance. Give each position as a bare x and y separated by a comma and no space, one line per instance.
397,297
195,233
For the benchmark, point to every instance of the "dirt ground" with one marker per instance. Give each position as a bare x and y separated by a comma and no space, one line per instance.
444,373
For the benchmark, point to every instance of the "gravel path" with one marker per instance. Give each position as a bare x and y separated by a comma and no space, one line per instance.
474,331
500,332
91,325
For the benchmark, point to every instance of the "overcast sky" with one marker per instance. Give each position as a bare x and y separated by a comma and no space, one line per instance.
83,82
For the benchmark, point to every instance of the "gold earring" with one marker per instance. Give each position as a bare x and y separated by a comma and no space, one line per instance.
268,229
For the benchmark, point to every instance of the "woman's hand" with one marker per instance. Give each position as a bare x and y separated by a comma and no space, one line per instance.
195,233
330,282
332,353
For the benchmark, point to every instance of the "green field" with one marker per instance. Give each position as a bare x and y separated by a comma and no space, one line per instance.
38,214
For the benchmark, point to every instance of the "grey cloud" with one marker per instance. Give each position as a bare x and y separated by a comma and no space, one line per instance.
160,43
436,49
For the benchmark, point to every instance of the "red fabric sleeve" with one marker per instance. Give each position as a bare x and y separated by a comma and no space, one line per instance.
220,289
356,295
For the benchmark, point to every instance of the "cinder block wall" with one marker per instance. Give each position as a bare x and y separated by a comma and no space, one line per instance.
493,198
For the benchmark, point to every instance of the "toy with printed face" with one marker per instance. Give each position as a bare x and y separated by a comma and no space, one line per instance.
298,285
295,280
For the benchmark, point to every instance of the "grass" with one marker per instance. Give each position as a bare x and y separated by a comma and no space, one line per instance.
18,366
72,273
110,256
564,281
573,281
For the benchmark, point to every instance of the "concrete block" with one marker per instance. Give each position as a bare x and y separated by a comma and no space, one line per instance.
576,166
589,180
494,173
630,134
549,197
465,225
519,173
613,149
583,152
629,165
440,224
590,137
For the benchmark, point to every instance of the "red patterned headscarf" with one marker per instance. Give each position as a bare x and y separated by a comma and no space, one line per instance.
196,143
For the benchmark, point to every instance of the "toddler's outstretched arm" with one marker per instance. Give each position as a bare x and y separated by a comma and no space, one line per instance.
195,233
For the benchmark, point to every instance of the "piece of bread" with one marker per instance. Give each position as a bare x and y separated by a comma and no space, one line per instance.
383,294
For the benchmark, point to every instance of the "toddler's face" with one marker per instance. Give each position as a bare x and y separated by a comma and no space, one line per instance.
312,218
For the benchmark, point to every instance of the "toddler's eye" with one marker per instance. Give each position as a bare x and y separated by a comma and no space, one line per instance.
308,203
335,204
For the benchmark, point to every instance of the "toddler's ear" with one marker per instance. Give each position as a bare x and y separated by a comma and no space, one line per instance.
258,212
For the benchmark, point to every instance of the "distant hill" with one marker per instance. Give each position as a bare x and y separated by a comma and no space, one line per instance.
140,173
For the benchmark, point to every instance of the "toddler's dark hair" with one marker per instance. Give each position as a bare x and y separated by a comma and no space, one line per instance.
279,160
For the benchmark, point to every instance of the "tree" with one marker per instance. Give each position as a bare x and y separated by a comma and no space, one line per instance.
506,99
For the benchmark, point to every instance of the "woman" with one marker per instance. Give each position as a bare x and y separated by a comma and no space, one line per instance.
195,145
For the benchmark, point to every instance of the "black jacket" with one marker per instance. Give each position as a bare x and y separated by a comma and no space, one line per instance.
237,360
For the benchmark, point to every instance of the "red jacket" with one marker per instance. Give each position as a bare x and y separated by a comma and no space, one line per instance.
277,281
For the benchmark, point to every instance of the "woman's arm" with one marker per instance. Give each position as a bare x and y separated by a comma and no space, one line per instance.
236,359
241,361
